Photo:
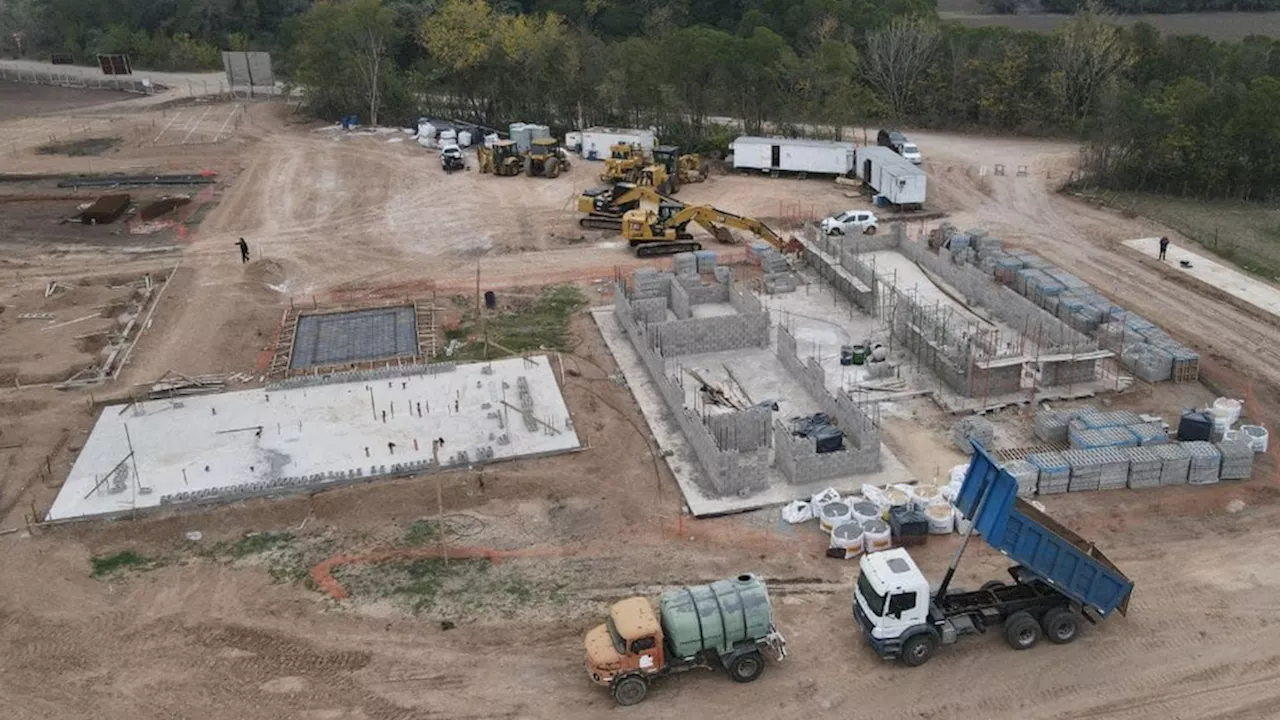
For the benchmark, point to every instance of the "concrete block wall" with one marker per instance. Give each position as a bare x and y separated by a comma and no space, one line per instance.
859,429
800,461
648,283
680,304
742,429
1068,372
709,334
727,471
650,310
699,292
995,381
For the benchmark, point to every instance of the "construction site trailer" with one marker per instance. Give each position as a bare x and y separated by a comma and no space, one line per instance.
798,155
891,175
596,141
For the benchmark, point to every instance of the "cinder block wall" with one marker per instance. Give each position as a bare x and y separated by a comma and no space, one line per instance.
859,429
995,381
650,310
742,429
1068,372
800,461
680,304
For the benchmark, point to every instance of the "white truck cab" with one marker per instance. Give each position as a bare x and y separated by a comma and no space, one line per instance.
891,596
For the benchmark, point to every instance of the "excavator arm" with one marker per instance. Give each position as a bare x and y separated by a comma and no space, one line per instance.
717,221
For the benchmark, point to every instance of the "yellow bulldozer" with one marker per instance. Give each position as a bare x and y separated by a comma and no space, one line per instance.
624,163
665,232
546,159
502,159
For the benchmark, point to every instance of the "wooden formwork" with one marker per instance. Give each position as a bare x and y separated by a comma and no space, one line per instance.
282,355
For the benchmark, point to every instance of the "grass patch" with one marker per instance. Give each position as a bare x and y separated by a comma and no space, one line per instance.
79,148
258,543
525,325
1245,234
117,563
420,533
460,589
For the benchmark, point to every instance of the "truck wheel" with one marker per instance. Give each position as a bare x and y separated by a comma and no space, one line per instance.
917,650
553,168
746,667
1021,631
1061,626
630,690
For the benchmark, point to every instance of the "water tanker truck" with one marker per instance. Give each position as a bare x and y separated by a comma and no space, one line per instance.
726,624
1059,579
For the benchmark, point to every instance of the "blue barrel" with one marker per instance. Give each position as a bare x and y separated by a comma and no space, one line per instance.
881,201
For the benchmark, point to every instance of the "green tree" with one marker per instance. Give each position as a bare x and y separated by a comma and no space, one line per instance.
340,56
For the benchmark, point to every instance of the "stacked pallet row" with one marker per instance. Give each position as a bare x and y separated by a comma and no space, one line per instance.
1175,463
1055,473
1027,475
1206,462
1144,349
1053,426
1237,459
1144,467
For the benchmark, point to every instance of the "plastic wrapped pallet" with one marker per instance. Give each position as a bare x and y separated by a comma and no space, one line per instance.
1237,459
1026,474
1055,472
1206,463
1175,463
1149,433
1144,467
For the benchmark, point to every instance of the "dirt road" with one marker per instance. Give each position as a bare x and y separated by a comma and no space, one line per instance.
216,632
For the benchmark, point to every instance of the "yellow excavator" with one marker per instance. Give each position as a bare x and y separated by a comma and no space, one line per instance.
604,207
624,163
665,232
503,159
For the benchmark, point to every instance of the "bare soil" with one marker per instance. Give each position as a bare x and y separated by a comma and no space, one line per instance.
23,100
220,629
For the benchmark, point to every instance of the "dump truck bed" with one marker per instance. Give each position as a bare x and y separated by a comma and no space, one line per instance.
1052,552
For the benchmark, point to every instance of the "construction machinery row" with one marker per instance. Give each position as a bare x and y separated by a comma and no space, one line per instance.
545,158
664,230
664,169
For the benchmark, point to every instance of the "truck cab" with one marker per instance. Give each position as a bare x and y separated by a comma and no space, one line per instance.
629,641
891,599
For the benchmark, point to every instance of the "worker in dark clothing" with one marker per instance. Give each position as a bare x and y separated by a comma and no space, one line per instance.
1164,245
244,250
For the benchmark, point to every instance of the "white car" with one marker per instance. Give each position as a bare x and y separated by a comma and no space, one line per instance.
850,222
912,153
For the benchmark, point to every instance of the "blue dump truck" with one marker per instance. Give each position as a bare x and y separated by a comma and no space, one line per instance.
1058,579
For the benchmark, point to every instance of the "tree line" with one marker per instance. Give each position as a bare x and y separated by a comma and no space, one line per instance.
1175,114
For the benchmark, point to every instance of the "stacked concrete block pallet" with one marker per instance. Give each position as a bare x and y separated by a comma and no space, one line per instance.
685,263
1144,467
1055,472
1237,459
1102,437
1027,475
1152,433
1175,463
1206,463
1053,425
973,429
1091,419
1086,470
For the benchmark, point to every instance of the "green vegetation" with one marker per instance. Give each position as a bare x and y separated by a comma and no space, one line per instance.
523,325
458,588
258,543
79,148
118,563
420,533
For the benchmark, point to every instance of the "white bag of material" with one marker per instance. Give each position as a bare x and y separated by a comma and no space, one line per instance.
797,511
826,496
957,474
876,495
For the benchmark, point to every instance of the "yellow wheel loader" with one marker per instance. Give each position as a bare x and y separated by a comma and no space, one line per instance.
546,159
502,159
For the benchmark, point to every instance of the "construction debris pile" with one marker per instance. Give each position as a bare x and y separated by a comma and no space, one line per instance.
1144,349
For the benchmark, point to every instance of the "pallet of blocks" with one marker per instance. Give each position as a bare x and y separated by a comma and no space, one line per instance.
1237,459
1026,474
1175,463
1055,473
971,429
1052,425
1152,433
1206,463
1144,467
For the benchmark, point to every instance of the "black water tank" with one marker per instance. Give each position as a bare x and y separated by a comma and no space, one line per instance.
828,439
1195,425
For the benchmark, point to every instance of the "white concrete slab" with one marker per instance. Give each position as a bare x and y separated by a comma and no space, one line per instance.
1257,293
761,378
213,441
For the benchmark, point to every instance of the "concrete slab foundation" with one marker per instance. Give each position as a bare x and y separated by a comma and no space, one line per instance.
308,436
345,337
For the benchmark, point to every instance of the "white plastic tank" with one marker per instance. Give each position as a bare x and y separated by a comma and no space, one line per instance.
425,140
1230,407
491,139
464,138
834,514
1221,420
848,537
865,510
942,519
1257,436
876,536
448,137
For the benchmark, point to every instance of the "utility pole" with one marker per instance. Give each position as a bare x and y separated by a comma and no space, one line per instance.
435,457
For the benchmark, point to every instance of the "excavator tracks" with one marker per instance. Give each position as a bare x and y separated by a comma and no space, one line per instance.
601,222
670,247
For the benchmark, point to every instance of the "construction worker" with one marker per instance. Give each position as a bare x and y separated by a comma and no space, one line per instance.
1164,245
244,251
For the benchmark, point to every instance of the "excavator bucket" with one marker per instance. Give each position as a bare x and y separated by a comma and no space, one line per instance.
723,235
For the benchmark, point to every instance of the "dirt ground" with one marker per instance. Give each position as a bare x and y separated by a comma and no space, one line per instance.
233,626
22,100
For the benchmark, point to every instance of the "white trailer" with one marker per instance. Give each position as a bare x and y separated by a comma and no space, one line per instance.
798,155
596,141
900,182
